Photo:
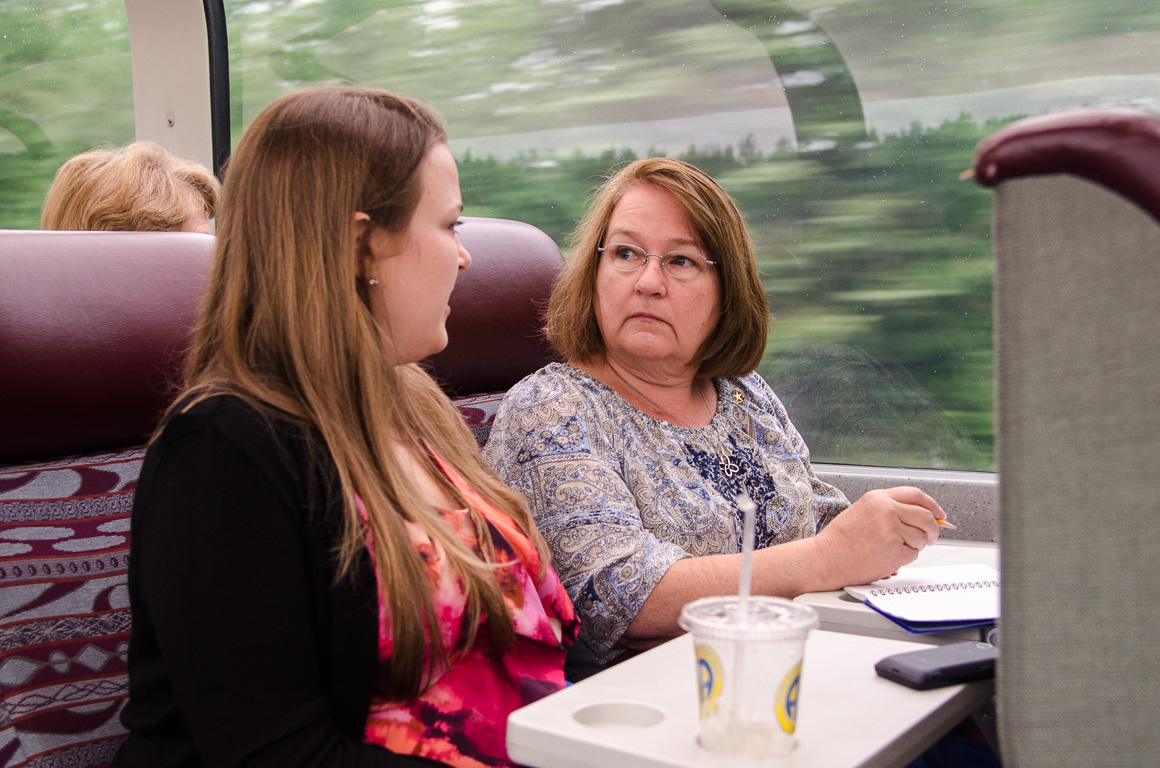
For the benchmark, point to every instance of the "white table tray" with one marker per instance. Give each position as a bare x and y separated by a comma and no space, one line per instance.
643,712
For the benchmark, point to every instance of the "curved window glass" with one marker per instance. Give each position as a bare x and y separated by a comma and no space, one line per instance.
66,86
841,127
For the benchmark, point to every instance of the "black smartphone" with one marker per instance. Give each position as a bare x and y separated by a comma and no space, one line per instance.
940,665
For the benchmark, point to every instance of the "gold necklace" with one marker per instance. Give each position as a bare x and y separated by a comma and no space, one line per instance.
651,402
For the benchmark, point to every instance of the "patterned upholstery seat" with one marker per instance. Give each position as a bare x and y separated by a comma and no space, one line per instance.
64,624
92,331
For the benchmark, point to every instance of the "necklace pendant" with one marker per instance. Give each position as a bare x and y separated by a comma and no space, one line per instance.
729,467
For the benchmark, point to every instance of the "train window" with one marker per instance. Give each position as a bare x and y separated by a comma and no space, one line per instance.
841,127
65,87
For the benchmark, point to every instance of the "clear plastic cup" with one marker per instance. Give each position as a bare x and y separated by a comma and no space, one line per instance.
748,671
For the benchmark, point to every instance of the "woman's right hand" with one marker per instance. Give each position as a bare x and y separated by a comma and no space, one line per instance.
874,536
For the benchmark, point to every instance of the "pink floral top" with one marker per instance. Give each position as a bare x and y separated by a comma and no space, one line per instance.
461,716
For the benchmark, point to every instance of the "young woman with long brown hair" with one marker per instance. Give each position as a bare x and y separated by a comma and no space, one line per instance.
322,564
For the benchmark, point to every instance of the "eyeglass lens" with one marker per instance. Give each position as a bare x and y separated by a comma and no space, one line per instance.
682,265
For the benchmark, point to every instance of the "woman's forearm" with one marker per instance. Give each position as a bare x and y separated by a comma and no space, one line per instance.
882,531
784,570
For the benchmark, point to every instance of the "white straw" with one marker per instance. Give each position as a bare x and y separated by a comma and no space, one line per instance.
745,504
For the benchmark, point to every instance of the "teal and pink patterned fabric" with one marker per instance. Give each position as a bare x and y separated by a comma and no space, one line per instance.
64,608
64,611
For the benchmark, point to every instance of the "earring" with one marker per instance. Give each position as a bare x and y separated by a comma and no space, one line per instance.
373,282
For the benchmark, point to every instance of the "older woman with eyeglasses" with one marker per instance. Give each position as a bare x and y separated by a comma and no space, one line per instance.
632,453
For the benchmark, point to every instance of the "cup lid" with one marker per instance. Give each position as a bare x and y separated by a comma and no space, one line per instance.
766,618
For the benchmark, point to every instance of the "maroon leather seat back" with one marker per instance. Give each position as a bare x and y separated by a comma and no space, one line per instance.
497,308
94,327
1112,147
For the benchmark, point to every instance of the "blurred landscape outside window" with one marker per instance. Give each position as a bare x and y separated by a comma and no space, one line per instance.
840,126
66,86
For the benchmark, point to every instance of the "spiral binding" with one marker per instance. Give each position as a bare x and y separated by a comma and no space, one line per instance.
933,588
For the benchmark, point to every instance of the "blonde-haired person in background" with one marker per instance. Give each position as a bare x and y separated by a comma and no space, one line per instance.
140,187
324,572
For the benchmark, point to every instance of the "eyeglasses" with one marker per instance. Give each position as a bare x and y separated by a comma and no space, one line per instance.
682,265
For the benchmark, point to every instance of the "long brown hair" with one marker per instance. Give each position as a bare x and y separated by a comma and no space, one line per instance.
139,187
735,347
286,325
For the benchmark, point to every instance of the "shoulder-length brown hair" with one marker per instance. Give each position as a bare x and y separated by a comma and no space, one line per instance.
286,324
735,346
140,187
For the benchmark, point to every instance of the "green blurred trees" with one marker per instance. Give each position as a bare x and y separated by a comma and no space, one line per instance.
877,261
876,257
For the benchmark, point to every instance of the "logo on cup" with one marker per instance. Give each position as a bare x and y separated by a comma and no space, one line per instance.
708,677
787,698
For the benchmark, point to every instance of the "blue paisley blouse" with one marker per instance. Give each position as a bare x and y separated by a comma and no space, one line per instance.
620,496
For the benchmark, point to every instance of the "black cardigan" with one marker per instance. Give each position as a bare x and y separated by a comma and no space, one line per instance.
244,649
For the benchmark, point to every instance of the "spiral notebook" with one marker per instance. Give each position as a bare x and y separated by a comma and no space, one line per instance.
936,598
